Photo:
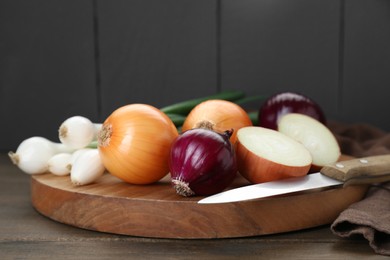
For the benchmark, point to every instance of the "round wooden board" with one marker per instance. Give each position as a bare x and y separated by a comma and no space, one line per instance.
113,206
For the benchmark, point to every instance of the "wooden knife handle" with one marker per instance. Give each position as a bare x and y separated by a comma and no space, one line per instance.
373,169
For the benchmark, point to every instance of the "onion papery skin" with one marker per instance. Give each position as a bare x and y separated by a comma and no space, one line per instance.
202,162
134,143
218,115
288,102
258,170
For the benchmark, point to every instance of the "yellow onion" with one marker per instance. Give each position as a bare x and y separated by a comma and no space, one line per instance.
217,115
134,143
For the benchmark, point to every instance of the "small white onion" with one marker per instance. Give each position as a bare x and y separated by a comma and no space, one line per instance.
87,167
33,154
77,153
78,132
59,164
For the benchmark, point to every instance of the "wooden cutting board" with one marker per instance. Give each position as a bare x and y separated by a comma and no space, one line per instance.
113,206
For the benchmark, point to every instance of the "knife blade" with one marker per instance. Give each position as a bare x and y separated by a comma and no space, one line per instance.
366,170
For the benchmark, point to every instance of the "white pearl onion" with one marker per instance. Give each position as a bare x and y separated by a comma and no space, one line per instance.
87,167
78,132
33,154
59,164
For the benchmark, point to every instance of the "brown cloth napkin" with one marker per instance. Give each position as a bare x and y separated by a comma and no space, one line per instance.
369,217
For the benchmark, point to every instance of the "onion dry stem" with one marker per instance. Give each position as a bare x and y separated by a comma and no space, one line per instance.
104,135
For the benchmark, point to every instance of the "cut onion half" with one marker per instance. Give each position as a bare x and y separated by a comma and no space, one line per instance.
314,135
265,155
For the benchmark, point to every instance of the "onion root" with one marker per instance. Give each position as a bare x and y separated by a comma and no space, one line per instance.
182,188
14,157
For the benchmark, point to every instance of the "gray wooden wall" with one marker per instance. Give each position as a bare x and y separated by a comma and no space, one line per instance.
63,58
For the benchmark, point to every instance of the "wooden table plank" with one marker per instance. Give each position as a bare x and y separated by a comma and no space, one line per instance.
366,62
27,234
282,45
156,52
47,67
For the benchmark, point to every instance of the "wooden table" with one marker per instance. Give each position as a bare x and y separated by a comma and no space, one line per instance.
25,234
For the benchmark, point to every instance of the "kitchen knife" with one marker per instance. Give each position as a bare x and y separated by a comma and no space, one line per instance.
373,169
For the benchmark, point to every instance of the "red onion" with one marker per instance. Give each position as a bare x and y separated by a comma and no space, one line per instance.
288,102
202,162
